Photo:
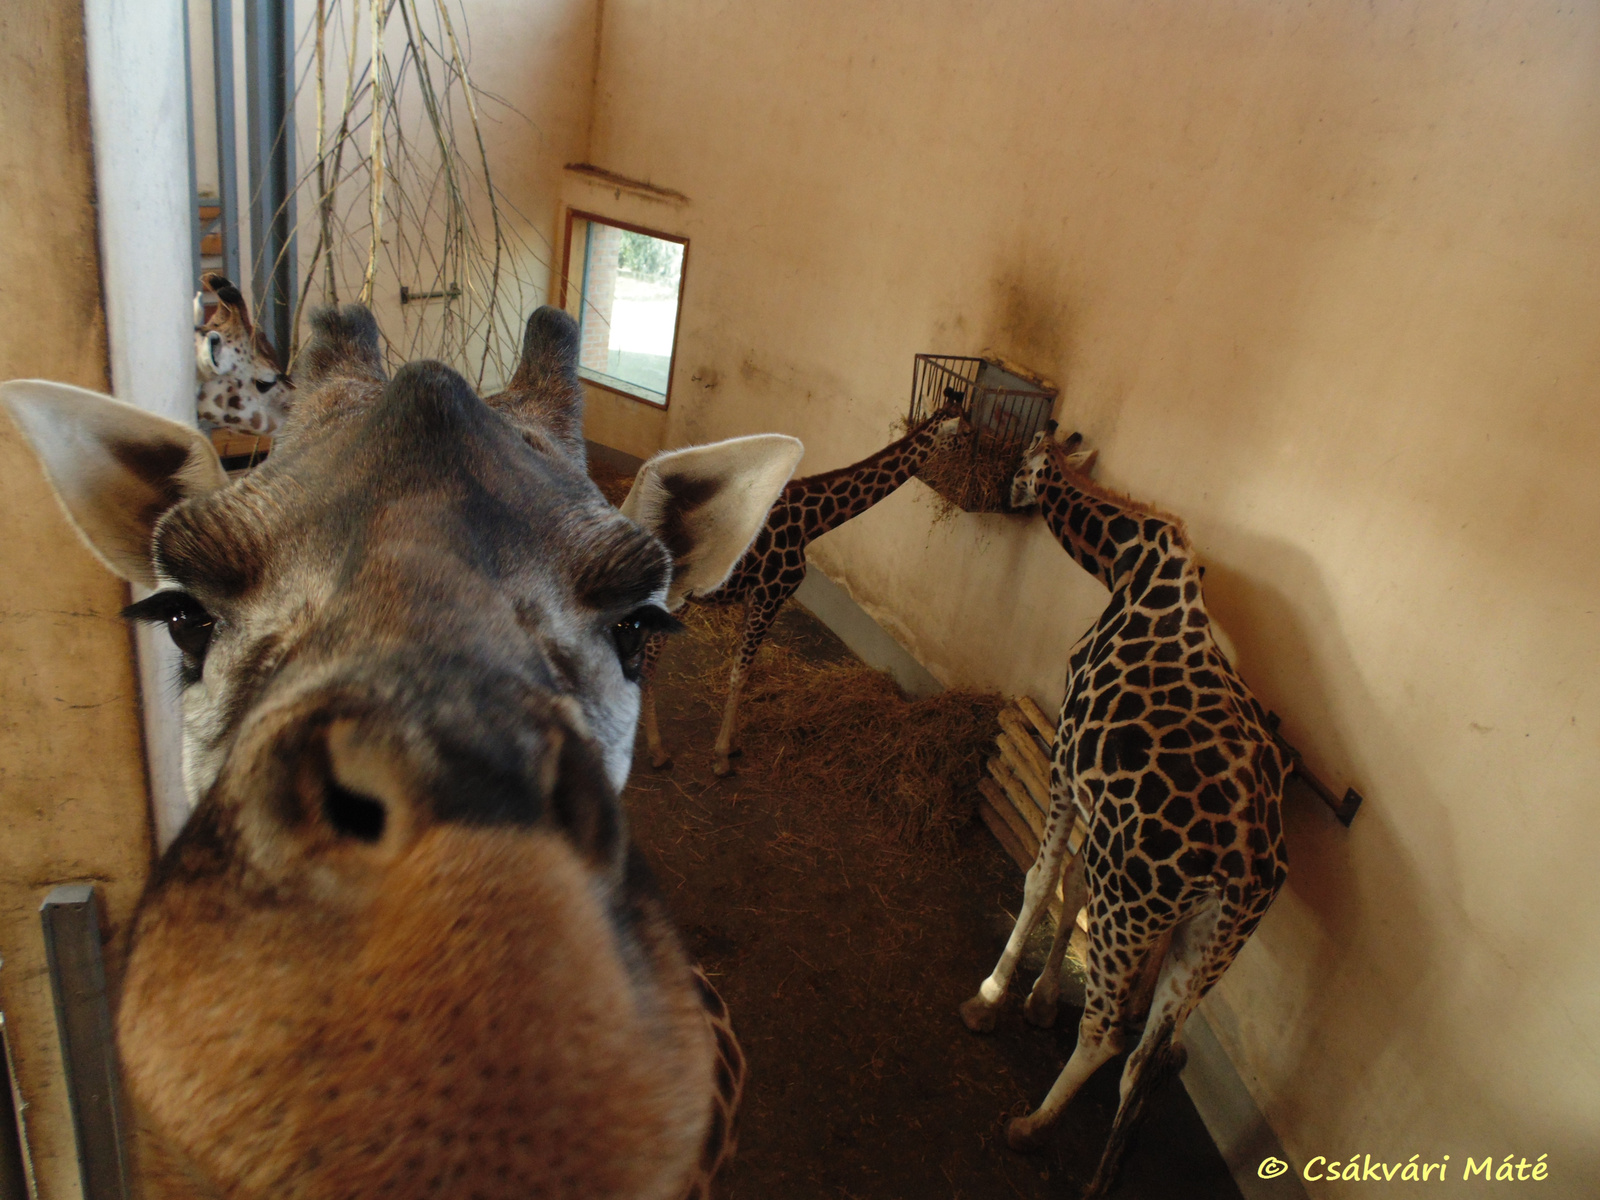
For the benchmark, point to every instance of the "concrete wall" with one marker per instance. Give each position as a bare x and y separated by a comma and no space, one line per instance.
1321,280
72,780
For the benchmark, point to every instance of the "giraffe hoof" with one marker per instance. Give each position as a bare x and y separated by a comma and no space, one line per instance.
977,1015
1040,1013
664,763
722,768
1024,1138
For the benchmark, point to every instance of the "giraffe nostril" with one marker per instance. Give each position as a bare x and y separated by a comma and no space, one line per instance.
352,814
355,783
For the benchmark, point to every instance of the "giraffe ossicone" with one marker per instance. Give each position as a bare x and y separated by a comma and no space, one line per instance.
1166,757
403,946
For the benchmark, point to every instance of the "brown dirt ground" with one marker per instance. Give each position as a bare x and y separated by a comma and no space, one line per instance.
843,953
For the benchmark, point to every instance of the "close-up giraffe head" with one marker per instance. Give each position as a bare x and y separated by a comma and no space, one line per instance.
403,946
241,387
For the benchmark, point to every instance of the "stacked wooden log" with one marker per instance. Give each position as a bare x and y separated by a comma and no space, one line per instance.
1016,796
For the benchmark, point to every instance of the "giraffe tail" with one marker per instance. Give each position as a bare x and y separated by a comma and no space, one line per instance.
1159,1059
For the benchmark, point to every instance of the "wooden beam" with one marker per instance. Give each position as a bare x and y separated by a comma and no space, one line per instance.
1018,795
993,795
1002,834
1036,718
1024,771
1022,733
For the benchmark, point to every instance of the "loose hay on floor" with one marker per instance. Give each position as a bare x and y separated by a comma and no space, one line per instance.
613,485
845,728
843,952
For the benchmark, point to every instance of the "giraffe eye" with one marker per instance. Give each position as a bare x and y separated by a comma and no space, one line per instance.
187,621
631,634
628,634
266,385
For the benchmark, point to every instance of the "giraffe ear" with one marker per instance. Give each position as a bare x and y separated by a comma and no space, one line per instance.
707,503
116,469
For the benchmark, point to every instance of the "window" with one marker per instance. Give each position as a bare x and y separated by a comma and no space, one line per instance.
629,285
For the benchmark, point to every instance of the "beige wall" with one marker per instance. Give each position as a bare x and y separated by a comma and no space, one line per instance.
533,66
1320,279
72,783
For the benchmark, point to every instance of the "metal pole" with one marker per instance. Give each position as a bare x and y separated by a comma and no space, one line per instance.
13,1155
83,1020
194,208
227,119
269,72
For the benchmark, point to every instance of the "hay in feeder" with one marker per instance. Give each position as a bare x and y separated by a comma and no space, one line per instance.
971,480
844,729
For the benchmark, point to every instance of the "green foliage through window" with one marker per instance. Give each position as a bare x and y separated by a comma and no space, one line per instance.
646,257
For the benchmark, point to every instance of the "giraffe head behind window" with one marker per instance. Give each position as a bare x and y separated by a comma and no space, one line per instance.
241,386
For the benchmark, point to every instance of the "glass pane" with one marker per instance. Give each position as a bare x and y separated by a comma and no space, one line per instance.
630,309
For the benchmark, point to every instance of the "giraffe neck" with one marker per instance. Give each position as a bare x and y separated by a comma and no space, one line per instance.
1120,543
850,491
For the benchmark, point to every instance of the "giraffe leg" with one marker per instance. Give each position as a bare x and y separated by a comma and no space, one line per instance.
1041,1006
1114,971
978,1013
724,750
1203,944
660,760
758,618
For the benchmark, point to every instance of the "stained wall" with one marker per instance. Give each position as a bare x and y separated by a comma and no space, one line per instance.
1319,279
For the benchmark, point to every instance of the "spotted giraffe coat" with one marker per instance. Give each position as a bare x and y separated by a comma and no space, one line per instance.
240,385
1161,747
775,566
730,1078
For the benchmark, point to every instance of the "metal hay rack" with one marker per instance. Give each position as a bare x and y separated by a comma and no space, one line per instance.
1006,406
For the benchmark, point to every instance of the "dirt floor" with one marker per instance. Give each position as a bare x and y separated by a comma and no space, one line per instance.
843,953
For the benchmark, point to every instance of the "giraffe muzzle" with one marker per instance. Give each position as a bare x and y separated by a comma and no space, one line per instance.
351,777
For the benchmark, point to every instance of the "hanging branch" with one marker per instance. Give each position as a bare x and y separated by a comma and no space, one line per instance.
488,179
420,218
332,296
375,154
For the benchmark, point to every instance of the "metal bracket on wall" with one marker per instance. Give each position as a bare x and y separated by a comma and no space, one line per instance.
83,1018
410,296
1344,808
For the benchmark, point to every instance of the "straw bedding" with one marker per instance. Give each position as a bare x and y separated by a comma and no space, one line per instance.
844,729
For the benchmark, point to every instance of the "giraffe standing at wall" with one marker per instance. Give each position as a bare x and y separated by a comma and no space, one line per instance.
1165,756
774,567
241,387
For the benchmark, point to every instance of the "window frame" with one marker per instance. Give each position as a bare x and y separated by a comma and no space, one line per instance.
578,214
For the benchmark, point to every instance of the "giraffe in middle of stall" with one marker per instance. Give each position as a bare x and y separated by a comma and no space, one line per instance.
774,567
